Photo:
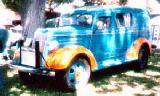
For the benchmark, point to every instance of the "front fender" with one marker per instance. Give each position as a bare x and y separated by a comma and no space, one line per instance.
62,58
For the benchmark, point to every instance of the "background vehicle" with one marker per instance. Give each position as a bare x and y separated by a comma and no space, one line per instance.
86,39
3,39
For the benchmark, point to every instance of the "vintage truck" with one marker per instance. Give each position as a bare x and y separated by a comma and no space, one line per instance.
87,39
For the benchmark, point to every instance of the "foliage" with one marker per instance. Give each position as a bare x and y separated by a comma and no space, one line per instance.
14,5
61,1
110,2
123,2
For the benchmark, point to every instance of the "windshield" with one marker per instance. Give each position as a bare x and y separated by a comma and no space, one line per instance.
84,20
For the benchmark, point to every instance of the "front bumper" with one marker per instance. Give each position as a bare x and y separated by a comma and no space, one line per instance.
28,60
38,71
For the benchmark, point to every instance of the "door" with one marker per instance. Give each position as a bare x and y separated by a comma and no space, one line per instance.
120,34
103,39
125,32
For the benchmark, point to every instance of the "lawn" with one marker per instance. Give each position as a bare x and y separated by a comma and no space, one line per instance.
115,81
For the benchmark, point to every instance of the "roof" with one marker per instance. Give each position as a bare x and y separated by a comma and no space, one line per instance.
98,8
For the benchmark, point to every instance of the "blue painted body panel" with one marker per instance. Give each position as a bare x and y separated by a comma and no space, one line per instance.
109,46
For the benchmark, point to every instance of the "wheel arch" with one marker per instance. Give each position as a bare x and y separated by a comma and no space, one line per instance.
84,56
63,58
132,52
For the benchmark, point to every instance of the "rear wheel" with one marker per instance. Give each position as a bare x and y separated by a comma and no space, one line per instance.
77,75
143,58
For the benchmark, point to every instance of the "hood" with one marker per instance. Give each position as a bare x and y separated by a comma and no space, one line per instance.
65,36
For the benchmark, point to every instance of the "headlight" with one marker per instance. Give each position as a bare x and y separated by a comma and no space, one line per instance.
52,46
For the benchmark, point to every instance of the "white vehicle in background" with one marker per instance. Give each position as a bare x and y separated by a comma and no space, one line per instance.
15,34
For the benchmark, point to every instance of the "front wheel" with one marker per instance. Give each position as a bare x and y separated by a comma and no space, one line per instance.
77,75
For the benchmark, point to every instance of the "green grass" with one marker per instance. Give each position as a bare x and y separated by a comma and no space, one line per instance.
14,87
111,81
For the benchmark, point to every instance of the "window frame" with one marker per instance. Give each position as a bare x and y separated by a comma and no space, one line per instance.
124,22
104,17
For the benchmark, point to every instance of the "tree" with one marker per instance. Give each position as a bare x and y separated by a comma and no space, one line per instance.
32,16
32,12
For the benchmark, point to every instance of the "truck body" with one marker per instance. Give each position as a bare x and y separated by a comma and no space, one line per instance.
87,39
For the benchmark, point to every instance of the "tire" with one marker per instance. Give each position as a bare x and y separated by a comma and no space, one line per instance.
77,75
142,59
25,77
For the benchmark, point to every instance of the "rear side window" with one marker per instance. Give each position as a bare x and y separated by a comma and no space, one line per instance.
123,20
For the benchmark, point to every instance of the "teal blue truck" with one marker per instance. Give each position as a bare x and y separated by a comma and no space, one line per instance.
87,39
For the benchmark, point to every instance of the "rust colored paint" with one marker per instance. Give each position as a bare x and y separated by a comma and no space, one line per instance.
132,53
63,57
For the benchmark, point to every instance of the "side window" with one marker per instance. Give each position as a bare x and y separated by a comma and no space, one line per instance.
103,22
123,20
127,19
120,20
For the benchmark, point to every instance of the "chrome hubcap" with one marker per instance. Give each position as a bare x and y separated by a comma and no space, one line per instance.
78,75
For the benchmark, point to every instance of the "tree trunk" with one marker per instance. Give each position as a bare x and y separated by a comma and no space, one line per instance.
32,16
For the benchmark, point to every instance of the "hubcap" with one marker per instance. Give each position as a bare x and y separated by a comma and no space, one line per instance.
78,75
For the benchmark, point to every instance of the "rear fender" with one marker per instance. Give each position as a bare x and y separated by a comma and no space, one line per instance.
132,52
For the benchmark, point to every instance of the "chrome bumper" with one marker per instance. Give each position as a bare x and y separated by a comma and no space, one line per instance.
38,71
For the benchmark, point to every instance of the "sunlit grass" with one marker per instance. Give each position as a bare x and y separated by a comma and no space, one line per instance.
118,81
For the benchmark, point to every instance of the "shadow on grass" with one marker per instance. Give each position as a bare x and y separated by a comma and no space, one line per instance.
39,86
120,74
100,77
153,68
48,86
